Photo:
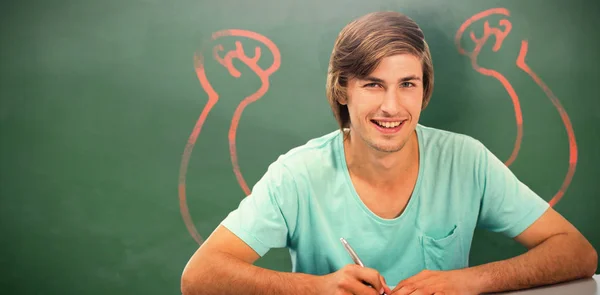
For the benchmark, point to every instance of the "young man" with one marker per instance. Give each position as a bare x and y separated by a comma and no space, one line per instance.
406,197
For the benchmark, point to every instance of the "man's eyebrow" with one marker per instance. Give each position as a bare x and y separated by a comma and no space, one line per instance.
372,79
409,78
403,79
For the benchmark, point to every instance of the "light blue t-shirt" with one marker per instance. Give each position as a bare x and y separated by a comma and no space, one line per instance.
306,202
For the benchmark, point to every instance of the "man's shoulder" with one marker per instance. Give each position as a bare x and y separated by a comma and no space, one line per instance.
318,152
443,146
445,139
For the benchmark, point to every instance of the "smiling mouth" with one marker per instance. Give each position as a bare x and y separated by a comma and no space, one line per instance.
387,125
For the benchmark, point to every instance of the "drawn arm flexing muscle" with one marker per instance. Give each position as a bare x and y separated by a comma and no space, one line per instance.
225,60
500,33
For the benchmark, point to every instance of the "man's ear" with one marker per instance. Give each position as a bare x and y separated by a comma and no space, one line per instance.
343,101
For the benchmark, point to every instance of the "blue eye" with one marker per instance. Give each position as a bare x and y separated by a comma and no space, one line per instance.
407,84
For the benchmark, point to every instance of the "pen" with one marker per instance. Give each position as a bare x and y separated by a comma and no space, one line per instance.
354,256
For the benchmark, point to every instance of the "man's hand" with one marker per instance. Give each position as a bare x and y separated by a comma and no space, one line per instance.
429,282
353,279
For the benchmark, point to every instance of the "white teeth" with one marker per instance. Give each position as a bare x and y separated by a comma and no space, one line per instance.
388,124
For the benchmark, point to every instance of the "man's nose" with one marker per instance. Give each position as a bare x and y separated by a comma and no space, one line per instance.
391,102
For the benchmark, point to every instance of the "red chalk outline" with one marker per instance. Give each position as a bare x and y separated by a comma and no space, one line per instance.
500,34
213,97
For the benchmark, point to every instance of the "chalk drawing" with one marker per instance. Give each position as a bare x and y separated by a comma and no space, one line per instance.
500,33
226,61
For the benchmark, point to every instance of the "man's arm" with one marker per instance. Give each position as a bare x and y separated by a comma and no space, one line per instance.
224,264
265,219
557,252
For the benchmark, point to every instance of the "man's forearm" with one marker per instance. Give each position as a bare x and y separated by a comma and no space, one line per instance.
225,274
548,263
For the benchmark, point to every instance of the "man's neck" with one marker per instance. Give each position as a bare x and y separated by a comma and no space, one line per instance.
379,168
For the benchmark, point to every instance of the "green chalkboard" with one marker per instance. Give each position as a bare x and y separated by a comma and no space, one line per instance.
129,129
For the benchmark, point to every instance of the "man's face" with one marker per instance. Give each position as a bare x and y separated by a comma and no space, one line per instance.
385,106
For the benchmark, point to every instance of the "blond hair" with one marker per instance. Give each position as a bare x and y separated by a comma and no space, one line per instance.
360,47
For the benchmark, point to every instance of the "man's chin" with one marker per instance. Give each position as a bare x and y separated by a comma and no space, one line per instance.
384,144
387,148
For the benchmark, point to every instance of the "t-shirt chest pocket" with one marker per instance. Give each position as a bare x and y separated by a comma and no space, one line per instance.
444,251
